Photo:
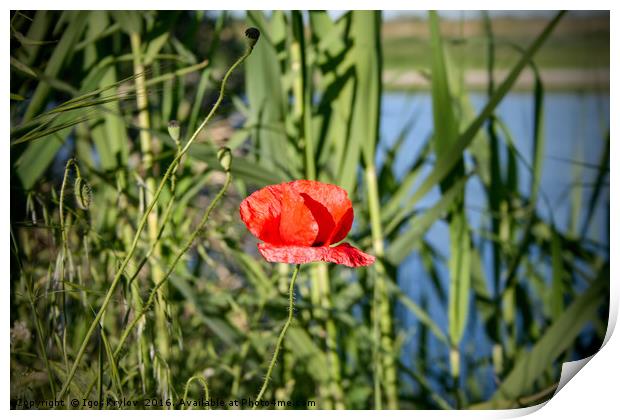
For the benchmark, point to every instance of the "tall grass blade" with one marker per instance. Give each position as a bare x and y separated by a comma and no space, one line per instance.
603,169
556,339
444,166
444,136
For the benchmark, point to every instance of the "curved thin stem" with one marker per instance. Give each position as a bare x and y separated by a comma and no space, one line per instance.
70,162
204,384
146,258
64,253
141,226
291,302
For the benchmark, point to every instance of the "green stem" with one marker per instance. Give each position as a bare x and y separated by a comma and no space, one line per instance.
37,323
162,339
204,384
63,232
141,225
142,102
381,302
143,347
334,389
376,347
172,267
301,92
291,301
65,252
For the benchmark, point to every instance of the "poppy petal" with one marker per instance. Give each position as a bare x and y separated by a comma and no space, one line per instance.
342,254
336,201
261,213
297,225
342,227
323,218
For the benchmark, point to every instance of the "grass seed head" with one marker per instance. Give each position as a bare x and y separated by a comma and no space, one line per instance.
83,193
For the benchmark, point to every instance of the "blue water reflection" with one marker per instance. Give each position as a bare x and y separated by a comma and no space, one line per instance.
575,128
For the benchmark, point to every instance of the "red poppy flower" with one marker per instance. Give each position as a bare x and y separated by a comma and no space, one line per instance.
299,221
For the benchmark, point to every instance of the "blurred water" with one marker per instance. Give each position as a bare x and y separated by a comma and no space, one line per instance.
575,126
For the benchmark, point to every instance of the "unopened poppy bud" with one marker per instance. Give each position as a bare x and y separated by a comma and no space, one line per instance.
225,158
252,34
174,130
83,194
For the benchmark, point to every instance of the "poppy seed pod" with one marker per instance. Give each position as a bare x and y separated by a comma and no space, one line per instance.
299,221
174,130
252,34
225,157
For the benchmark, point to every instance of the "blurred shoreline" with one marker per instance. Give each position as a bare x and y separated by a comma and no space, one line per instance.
575,57
477,79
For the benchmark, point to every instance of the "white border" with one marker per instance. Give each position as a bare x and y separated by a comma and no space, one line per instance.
593,394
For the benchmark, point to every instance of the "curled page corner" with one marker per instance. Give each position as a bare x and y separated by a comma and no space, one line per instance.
524,411
569,370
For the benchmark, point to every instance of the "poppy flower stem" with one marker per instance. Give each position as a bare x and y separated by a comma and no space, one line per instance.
291,302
